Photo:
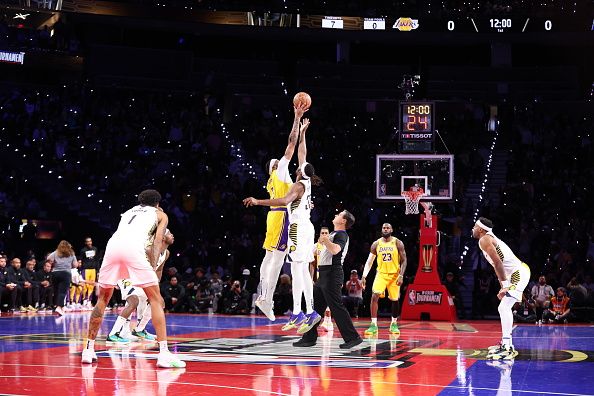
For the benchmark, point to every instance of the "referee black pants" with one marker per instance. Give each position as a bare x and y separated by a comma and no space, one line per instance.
327,294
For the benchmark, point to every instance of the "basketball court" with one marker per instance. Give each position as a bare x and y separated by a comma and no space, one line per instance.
40,354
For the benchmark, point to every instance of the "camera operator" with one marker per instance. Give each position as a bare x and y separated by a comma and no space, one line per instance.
236,301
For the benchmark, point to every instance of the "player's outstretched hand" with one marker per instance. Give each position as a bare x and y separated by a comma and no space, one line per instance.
300,110
304,124
363,283
251,201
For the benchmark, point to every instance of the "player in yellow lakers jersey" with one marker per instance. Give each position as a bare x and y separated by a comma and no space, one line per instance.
318,249
391,265
277,220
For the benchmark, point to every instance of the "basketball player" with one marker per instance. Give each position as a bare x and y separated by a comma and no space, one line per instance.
513,276
391,265
301,236
277,222
319,248
125,257
136,300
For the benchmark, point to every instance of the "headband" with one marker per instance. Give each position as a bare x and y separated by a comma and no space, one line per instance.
302,168
272,161
484,227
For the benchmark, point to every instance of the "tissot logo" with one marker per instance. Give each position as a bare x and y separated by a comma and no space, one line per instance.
21,16
417,135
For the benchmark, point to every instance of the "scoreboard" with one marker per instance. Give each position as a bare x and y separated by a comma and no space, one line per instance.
417,129
503,23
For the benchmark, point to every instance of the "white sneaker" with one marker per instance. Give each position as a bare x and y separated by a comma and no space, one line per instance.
88,356
266,309
169,360
128,335
59,311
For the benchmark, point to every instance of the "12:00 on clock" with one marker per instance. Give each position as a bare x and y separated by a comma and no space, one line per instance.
416,117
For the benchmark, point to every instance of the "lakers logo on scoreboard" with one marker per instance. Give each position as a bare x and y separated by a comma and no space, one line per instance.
406,24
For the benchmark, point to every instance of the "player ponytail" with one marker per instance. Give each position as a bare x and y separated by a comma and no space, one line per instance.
310,172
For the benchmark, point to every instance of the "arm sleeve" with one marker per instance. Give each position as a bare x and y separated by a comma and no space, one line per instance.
283,170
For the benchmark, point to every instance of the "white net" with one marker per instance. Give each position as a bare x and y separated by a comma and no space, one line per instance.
411,201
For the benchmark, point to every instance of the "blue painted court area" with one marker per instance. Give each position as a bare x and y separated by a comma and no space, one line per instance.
537,374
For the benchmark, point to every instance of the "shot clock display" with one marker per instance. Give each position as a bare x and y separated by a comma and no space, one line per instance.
416,127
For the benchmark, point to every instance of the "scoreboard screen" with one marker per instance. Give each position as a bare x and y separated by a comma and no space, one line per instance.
416,127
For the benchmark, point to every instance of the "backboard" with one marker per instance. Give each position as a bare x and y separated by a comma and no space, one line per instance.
395,173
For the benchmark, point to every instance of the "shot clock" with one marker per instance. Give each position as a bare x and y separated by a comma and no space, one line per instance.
416,127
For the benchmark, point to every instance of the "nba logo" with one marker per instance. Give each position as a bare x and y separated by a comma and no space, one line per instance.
382,191
412,297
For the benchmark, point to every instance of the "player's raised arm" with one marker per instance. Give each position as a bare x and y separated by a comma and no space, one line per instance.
294,135
302,151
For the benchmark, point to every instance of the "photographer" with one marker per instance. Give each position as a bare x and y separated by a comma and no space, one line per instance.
524,311
236,300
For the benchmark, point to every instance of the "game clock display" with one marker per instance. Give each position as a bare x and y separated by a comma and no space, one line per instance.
416,117
416,127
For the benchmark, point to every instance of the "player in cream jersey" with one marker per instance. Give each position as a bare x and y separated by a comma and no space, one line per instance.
136,300
513,276
301,236
140,228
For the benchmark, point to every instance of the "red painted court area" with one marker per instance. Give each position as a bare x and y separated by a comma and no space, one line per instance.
40,354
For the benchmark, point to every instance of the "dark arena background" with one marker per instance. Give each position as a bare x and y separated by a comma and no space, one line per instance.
486,106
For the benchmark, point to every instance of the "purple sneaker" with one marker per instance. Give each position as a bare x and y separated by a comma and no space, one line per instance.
295,321
311,320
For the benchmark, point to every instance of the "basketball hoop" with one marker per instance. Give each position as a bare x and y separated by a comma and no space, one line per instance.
412,199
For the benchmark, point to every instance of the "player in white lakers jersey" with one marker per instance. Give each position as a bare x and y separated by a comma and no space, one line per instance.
136,300
125,258
277,221
301,236
391,266
513,276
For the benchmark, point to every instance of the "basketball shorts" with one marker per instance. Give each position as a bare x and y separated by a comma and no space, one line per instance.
301,242
277,226
124,260
519,280
385,281
127,290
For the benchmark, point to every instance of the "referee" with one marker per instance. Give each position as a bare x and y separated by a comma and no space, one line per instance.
327,290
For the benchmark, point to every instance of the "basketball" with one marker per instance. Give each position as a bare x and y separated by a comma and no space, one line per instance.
302,98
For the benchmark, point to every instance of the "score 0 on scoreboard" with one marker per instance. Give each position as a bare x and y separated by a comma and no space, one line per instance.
417,131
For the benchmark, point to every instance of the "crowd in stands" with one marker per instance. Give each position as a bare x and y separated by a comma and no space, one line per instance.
104,145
